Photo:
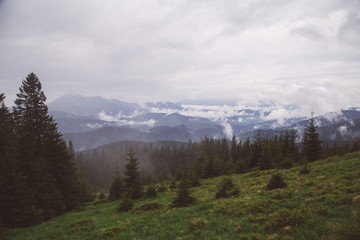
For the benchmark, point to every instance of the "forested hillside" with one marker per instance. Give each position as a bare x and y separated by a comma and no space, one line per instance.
209,157
322,204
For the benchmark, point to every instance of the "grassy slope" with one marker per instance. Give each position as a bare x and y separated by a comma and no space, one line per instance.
319,205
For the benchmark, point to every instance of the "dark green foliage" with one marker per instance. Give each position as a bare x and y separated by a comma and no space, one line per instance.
226,189
276,181
39,165
86,225
305,170
285,217
311,142
117,187
126,204
162,187
192,177
255,151
133,184
150,206
150,191
266,158
109,233
209,168
173,184
16,196
183,197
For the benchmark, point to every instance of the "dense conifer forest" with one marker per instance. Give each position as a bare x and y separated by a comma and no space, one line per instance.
209,157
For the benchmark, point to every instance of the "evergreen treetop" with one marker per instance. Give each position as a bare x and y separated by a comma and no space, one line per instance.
133,184
311,142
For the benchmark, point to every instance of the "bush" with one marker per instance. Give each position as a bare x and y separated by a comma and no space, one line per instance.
276,181
285,217
151,191
102,195
183,197
226,189
125,205
87,224
150,206
101,201
173,184
259,206
162,187
304,170
109,232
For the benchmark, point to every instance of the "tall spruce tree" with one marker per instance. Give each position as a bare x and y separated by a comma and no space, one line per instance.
17,208
43,156
311,142
31,118
133,184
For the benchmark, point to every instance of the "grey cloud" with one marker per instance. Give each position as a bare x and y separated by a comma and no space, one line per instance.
309,32
350,29
145,50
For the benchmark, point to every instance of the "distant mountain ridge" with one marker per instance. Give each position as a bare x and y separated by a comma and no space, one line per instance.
94,121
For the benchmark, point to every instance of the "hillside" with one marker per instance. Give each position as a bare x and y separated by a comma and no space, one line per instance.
324,204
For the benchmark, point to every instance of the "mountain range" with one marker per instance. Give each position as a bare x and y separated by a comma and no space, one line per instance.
90,122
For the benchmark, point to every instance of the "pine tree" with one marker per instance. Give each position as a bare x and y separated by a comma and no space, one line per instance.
311,142
17,205
43,155
226,189
183,197
255,151
234,150
209,168
117,187
294,152
31,118
133,185
266,159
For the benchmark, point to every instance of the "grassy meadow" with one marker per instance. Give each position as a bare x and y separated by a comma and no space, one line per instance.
323,204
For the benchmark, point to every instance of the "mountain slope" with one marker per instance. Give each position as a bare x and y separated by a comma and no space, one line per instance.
82,119
323,204
91,106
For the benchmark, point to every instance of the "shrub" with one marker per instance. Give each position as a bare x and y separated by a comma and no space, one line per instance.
162,187
183,197
151,191
304,170
87,224
285,217
125,205
259,206
173,184
109,232
276,181
101,201
150,206
116,190
226,189
102,195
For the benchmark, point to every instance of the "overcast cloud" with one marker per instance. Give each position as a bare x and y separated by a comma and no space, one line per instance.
279,51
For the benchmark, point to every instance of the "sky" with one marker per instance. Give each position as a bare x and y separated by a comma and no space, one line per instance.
300,52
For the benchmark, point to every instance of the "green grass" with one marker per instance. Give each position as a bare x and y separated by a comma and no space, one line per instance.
320,205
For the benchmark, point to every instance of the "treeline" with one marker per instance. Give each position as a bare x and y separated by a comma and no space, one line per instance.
38,176
211,157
